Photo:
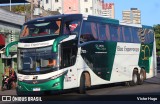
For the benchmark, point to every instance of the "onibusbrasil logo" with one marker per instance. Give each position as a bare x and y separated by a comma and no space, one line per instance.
18,98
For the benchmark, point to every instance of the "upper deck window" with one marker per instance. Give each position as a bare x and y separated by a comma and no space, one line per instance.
71,27
41,28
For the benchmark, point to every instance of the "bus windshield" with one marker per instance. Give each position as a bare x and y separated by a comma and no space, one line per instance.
37,60
41,28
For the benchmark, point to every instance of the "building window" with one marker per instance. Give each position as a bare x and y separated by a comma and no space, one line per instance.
47,1
86,10
56,0
85,0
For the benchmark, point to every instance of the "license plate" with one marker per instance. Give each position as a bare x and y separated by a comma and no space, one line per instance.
36,89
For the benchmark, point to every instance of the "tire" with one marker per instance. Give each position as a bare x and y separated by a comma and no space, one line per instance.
141,77
82,87
134,79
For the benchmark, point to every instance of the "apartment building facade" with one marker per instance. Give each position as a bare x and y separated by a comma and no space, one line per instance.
108,10
132,16
86,7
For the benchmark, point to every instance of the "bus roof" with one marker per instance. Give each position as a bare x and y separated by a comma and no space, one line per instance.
61,16
88,18
102,19
132,25
147,27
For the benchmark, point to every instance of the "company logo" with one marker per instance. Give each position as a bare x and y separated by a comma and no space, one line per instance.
35,82
146,52
35,77
100,47
6,98
17,98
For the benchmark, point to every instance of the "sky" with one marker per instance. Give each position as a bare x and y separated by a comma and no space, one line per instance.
150,9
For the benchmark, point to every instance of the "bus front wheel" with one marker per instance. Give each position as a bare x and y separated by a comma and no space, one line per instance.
82,87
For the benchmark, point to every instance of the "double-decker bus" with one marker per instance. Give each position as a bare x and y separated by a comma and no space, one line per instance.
68,51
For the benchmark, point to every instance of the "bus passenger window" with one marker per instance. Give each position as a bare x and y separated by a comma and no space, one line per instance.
89,32
71,27
127,34
107,32
86,37
135,35
114,33
102,32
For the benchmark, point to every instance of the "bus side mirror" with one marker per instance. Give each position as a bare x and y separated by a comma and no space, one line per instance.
9,46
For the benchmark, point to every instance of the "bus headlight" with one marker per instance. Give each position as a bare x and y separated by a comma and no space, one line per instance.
56,84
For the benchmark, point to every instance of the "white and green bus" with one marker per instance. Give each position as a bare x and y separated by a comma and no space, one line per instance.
68,51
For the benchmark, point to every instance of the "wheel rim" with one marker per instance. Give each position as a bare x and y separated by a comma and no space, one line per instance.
141,76
135,78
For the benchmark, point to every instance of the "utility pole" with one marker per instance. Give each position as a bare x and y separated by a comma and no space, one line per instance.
10,5
31,9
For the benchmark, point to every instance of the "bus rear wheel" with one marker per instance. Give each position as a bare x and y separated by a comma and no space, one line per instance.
141,76
82,87
134,79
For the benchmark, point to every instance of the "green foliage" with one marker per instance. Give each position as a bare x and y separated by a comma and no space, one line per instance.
21,9
157,36
157,29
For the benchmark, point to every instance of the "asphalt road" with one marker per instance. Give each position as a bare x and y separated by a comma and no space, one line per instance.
150,86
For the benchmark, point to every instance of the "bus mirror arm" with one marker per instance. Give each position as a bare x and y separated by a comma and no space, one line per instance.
57,41
9,46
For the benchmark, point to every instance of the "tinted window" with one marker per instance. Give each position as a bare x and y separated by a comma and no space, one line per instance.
89,32
127,34
120,34
146,36
114,33
151,35
102,31
71,27
41,28
107,32
136,38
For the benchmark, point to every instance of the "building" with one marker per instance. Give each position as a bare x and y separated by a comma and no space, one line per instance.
86,7
51,5
9,32
108,10
91,7
70,6
132,16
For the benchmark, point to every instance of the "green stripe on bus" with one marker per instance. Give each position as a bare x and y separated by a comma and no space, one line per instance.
57,41
111,51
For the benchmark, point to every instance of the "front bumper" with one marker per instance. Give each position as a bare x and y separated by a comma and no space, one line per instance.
52,84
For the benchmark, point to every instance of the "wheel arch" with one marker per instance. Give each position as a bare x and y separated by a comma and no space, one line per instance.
87,78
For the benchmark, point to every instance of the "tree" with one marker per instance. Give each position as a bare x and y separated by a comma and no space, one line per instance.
157,36
21,9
